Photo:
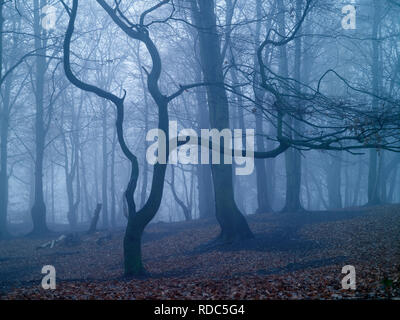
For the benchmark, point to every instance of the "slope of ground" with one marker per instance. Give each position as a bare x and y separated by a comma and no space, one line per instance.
292,257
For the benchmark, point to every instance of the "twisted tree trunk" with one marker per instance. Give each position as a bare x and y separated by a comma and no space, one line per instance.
137,220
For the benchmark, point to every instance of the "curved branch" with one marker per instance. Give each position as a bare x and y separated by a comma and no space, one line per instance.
146,12
118,102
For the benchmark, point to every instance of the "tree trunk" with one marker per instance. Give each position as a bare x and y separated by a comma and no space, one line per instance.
233,224
292,156
112,177
137,220
53,214
204,178
95,219
104,189
146,128
4,124
383,177
96,169
263,203
84,183
334,182
357,185
185,209
373,190
237,96
261,173
38,210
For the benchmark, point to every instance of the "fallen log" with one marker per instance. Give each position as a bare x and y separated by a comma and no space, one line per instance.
52,243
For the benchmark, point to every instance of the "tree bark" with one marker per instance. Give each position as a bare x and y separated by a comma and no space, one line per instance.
38,210
146,128
204,178
373,183
4,124
112,178
186,209
137,220
334,182
263,203
292,156
233,224
104,184
95,219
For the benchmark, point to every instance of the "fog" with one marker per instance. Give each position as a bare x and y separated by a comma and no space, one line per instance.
204,111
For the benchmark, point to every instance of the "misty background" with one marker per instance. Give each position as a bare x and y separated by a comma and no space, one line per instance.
59,145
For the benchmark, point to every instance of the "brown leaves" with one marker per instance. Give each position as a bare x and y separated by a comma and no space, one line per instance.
370,242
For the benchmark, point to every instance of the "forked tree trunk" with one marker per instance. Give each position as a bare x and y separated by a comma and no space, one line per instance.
137,220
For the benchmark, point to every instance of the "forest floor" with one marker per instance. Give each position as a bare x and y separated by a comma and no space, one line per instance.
291,257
